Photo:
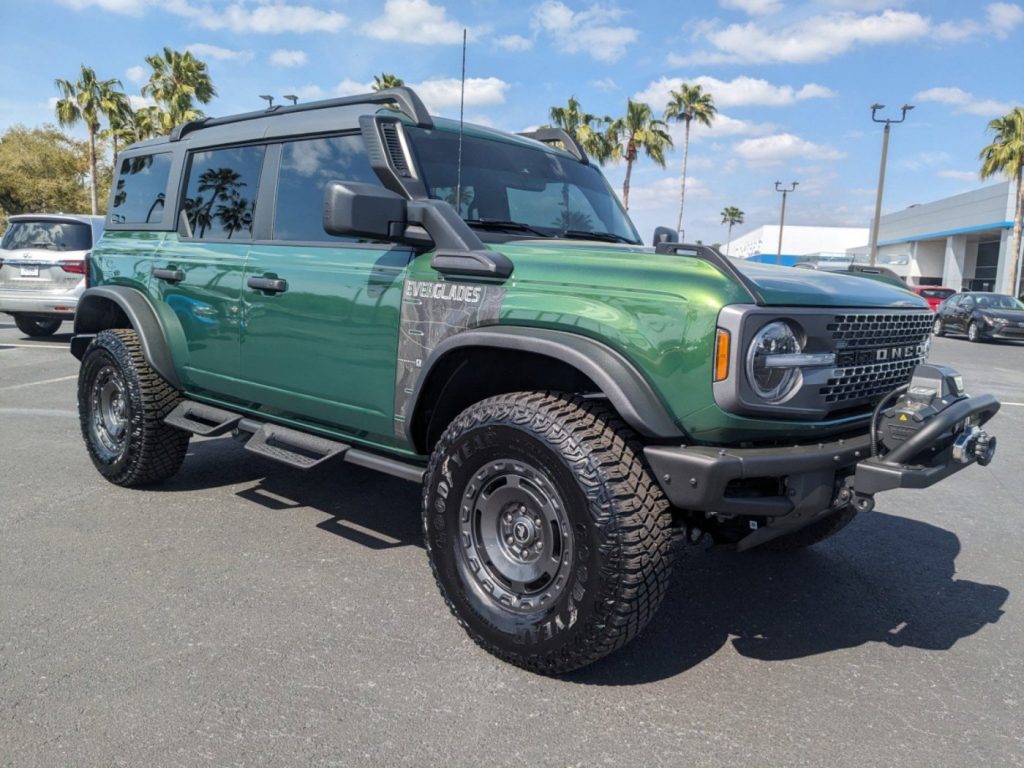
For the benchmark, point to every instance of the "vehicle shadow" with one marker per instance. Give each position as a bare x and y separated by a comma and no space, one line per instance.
885,579
364,506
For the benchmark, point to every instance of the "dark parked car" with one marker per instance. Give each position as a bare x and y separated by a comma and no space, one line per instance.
981,316
933,294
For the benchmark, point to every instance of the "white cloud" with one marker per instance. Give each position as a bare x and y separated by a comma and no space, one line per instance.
1000,20
740,91
596,31
127,7
606,84
1003,18
816,38
961,101
514,43
959,175
139,102
350,87
137,74
207,51
283,57
753,7
310,92
920,160
264,18
415,21
444,92
664,194
780,147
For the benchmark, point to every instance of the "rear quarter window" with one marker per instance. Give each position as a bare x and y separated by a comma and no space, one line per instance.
220,198
141,188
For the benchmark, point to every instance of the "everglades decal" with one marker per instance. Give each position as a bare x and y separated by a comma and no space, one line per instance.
431,312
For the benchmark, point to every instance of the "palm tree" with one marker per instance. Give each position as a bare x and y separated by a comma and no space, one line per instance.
85,101
120,123
178,81
1006,155
686,104
589,130
731,215
638,131
386,80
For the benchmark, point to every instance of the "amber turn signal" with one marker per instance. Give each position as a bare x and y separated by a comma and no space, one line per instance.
722,340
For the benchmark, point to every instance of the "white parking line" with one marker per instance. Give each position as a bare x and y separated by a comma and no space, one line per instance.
37,383
33,346
1019,405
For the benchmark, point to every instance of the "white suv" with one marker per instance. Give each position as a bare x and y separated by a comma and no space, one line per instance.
42,268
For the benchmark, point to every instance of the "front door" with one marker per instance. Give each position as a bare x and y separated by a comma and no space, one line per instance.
319,336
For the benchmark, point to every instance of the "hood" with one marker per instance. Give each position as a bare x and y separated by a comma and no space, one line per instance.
1011,315
640,268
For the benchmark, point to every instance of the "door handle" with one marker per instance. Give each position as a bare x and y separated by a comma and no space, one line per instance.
170,275
268,284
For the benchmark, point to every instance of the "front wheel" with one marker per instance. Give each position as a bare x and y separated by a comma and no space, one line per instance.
37,327
973,332
547,536
122,403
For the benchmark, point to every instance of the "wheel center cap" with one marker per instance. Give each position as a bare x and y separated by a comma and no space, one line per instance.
523,530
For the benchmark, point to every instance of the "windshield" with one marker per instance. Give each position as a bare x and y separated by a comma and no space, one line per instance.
48,236
937,293
998,301
520,190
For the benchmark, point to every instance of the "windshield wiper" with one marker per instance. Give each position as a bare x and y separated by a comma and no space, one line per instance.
510,226
607,237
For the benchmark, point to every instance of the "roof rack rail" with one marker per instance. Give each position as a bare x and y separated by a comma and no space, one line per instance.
405,98
549,135
723,263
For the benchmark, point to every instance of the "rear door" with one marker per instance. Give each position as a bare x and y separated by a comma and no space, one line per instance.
198,273
321,344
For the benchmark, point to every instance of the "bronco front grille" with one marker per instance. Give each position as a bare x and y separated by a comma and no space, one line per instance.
875,353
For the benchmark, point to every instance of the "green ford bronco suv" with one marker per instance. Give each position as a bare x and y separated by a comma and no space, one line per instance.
354,280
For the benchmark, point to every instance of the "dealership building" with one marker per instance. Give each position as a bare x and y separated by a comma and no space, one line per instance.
961,242
799,243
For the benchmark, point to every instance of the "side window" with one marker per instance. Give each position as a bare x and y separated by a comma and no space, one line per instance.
306,168
220,197
140,189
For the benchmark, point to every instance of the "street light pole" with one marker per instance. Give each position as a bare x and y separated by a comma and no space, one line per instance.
873,254
782,216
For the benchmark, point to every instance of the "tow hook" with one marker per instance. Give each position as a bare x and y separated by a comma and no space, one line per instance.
974,444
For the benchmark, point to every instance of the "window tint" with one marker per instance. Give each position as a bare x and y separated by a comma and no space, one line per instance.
48,236
306,168
221,195
562,206
140,189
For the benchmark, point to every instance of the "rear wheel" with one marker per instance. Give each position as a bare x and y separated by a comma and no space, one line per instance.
122,403
817,531
548,538
937,328
973,332
37,327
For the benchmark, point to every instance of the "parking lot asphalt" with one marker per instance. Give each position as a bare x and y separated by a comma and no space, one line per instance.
250,614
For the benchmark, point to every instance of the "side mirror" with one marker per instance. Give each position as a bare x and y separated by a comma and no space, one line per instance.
364,210
665,235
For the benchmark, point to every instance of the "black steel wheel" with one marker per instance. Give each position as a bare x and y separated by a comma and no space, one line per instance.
37,327
548,538
122,403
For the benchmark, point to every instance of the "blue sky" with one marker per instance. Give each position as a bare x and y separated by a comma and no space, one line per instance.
793,80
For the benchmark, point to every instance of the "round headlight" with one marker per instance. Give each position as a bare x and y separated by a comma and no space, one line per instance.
771,381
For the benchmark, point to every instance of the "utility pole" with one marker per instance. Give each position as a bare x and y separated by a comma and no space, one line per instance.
782,217
873,254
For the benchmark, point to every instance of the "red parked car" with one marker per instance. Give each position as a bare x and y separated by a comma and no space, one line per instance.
933,294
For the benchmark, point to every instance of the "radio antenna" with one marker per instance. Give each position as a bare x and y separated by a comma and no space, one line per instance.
462,109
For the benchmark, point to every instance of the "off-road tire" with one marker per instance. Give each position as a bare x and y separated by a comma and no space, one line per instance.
937,328
813,533
621,554
37,327
973,332
152,451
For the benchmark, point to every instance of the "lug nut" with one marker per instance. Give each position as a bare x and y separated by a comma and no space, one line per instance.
508,540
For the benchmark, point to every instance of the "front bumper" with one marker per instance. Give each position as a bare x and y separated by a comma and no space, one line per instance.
1010,331
810,479
40,304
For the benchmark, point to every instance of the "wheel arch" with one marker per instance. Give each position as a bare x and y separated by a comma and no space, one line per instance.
118,306
481,363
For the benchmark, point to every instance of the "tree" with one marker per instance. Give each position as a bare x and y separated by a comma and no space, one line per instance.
177,82
120,123
589,130
42,170
731,215
1006,155
386,80
85,101
686,104
638,131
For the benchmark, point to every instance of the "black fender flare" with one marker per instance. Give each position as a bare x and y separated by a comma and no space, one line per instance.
92,316
617,378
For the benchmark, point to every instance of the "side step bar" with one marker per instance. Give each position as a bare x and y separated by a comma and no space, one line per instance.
300,450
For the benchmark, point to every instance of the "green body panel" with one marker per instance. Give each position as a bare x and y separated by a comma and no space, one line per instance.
323,355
